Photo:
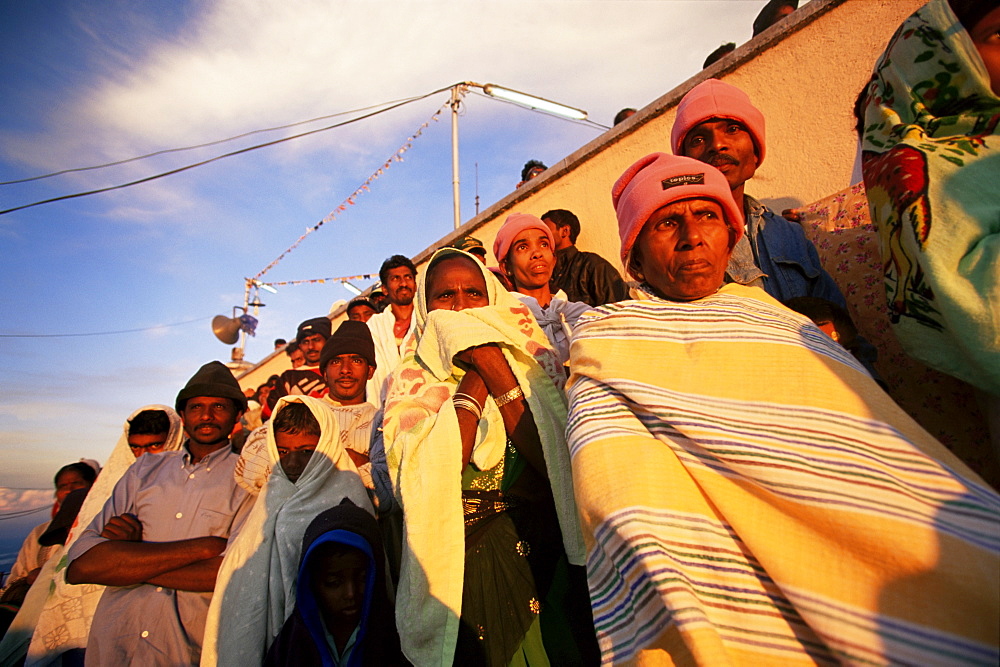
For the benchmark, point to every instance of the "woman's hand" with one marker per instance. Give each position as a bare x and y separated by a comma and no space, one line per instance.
488,362
467,358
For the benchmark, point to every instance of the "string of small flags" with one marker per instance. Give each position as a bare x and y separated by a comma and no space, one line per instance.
323,281
396,157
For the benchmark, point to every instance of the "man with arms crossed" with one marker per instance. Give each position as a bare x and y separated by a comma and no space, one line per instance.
158,542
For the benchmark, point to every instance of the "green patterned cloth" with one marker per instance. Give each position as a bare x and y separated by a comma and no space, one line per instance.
932,168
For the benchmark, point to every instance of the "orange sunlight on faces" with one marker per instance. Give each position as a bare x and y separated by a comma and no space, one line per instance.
456,284
726,145
683,249
312,347
68,482
294,452
347,375
209,420
560,234
400,285
360,313
530,260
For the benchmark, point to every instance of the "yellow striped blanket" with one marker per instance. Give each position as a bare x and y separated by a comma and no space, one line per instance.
750,496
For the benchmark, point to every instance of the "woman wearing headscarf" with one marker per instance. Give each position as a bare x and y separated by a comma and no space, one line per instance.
16,600
749,494
930,130
477,459
32,555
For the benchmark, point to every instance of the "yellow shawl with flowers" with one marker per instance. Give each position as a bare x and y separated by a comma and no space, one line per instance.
423,451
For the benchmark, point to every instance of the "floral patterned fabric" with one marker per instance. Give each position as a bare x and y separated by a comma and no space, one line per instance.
931,168
841,229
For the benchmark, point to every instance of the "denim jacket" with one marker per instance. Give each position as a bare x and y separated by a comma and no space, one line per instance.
776,255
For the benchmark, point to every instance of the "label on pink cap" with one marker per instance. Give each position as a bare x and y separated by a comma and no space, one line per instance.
684,179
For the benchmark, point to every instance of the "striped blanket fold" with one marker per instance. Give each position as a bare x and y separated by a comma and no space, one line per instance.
750,496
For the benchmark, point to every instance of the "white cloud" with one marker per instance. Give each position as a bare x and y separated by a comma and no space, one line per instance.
18,500
229,66
243,65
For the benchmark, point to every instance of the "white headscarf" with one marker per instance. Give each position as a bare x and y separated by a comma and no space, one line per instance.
255,588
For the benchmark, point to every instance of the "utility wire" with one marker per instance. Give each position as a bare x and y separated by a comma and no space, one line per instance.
101,333
205,145
23,513
220,157
396,105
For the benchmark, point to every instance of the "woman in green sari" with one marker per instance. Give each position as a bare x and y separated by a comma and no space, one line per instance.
474,439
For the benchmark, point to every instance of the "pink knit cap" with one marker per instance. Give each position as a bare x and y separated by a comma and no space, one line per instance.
715,99
514,225
660,179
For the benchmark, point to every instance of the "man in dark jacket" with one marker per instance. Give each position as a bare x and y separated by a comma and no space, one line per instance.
583,276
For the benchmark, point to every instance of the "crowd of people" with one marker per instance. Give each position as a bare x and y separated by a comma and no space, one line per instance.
543,462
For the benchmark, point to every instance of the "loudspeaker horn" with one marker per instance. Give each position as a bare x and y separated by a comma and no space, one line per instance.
226,329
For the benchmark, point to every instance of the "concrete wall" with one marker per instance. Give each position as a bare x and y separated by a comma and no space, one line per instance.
804,74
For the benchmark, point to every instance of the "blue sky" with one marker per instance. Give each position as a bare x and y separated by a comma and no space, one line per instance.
87,82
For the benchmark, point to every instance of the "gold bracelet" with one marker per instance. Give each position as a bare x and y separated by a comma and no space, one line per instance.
509,396
467,402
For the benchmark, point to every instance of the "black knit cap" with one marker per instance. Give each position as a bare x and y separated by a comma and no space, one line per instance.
212,379
351,337
317,325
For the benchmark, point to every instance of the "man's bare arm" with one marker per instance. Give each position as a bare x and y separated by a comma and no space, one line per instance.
197,577
126,563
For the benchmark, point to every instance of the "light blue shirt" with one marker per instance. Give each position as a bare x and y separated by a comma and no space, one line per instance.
338,659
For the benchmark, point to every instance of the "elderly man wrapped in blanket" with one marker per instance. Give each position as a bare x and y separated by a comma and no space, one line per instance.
60,614
749,495
473,428
255,588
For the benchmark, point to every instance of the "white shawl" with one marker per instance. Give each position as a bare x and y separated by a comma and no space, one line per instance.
387,353
255,589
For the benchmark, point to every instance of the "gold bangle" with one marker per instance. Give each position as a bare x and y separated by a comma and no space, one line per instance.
467,402
509,396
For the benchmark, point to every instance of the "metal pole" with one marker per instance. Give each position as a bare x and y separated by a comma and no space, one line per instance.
246,306
456,97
